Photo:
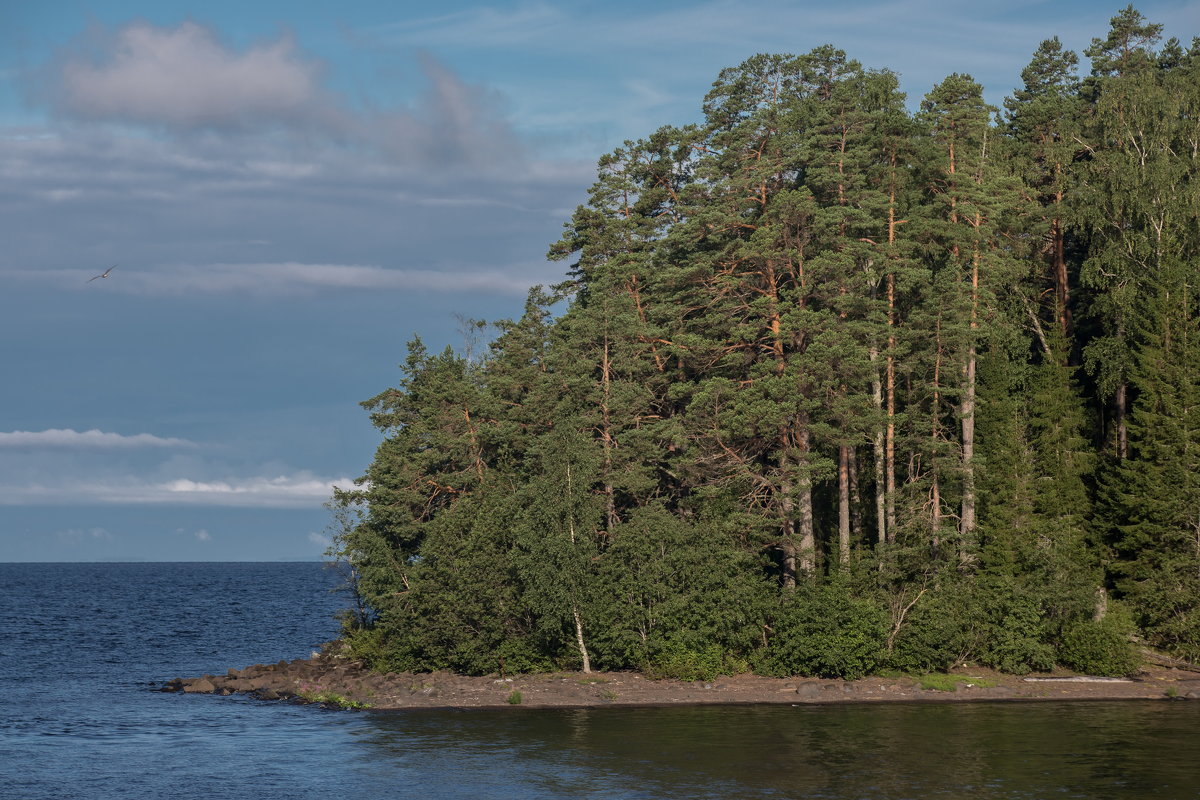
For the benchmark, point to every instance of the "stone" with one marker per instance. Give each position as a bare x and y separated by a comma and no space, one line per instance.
199,686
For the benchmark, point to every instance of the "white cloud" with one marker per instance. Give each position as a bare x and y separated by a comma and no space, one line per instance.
82,534
320,540
68,438
300,490
203,535
185,80
294,277
186,77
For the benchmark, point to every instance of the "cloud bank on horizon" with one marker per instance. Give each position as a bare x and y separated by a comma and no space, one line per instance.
68,467
67,437
302,490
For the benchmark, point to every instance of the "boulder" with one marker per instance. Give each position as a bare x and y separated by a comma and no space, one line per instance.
199,686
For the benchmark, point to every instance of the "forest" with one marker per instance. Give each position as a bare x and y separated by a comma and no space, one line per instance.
832,387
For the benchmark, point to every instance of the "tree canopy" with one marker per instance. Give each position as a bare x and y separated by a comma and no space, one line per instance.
829,387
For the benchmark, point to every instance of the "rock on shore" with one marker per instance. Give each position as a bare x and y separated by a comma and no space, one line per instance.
335,681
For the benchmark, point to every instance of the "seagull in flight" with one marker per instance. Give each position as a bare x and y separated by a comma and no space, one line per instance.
102,275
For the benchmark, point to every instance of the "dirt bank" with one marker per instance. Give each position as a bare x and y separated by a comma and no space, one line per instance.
330,679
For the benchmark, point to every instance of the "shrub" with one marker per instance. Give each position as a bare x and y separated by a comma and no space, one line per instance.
826,632
937,634
1098,648
1016,631
372,647
680,662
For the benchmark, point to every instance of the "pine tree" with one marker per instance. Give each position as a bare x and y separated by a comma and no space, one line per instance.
1125,190
1044,120
1154,495
760,306
974,268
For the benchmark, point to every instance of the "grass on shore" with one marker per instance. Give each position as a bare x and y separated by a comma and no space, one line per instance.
326,697
945,682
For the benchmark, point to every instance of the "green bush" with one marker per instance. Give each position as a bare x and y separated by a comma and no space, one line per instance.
372,647
937,634
1016,639
826,632
679,662
1098,648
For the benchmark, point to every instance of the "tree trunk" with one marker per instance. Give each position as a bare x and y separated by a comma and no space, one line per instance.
844,504
935,494
856,521
1100,606
1062,289
1122,431
608,441
877,444
890,438
787,532
890,450
806,558
966,546
583,653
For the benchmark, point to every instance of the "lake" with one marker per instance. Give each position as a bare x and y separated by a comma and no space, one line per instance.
82,644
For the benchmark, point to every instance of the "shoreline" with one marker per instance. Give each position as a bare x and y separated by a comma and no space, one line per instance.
337,682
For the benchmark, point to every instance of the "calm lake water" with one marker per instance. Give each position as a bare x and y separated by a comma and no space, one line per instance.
80,644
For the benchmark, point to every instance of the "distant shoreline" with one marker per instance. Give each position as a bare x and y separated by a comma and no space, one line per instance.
338,682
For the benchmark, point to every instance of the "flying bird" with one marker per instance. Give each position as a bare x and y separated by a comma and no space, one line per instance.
103,274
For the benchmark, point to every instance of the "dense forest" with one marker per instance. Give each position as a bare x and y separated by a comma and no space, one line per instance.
832,387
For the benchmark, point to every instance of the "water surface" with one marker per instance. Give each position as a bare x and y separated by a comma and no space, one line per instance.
80,645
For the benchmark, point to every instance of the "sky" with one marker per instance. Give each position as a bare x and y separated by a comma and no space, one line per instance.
290,192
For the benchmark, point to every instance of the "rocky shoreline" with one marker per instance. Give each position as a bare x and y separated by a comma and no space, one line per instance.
334,681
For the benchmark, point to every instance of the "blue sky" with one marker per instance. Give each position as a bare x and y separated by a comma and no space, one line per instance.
290,191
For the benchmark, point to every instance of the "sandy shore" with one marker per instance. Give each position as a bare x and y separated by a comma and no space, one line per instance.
332,680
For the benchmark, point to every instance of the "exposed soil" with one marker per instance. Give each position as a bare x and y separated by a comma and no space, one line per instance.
327,678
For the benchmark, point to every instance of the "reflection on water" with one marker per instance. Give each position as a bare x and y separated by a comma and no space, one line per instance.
994,750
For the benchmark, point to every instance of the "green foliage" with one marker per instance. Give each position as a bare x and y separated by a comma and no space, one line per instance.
810,396
514,698
372,647
994,621
1014,634
943,682
665,587
331,698
826,632
1098,648
938,633
678,662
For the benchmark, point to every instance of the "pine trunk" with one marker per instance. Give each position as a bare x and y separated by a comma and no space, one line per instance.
806,558
877,444
844,504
